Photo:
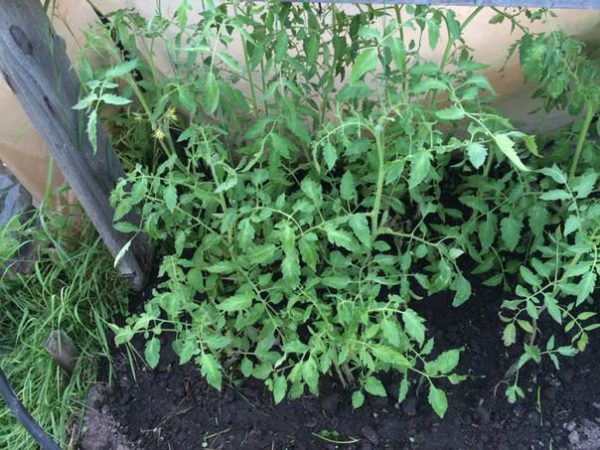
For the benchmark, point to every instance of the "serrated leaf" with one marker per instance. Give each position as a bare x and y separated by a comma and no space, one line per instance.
390,356
447,361
170,197
152,352
279,388
413,325
210,369
330,155
538,219
452,113
347,187
585,184
111,99
555,173
510,230
92,129
420,164
360,226
462,288
487,232
374,387
340,238
211,94
571,225
236,302
391,331
586,287
552,307
438,401
507,146
555,194
246,367
477,154
365,61
308,250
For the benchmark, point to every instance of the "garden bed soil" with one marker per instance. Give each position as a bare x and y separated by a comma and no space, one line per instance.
173,408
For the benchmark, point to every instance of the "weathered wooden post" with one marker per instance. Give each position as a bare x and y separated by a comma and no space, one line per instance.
36,67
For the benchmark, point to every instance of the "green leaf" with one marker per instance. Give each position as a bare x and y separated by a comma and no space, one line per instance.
358,399
236,302
189,349
438,401
308,246
585,184
374,387
555,173
419,168
170,197
210,369
122,334
586,287
447,361
85,102
391,331
403,390
556,194
222,267
279,388
463,291
552,307
571,225
452,113
509,336
507,146
112,99
477,154
122,69
330,155
246,367
229,61
152,352
366,61
414,325
487,232
340,238
312,190
211,95
91,130
347,188
390,356
310,374
510,230
538,218
360,226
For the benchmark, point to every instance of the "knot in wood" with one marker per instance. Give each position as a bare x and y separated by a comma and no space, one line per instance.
21,40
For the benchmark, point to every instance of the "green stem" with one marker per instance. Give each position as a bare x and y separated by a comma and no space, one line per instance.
380,181
587,121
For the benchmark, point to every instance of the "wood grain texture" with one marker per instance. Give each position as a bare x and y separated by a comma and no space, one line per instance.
557,4
36,67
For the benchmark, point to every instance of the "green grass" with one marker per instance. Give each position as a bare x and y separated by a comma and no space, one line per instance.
72,286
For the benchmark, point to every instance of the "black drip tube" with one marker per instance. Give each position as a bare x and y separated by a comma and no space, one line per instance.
24,418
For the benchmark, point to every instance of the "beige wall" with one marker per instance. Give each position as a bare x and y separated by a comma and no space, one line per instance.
24,153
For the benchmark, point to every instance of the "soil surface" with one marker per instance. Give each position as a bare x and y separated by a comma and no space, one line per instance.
173,408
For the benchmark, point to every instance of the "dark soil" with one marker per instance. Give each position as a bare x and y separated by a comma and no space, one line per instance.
173,408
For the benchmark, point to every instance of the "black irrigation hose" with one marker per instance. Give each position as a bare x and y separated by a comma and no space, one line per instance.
24,418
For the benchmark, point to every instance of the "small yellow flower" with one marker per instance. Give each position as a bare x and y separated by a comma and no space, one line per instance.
170,114
158,134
